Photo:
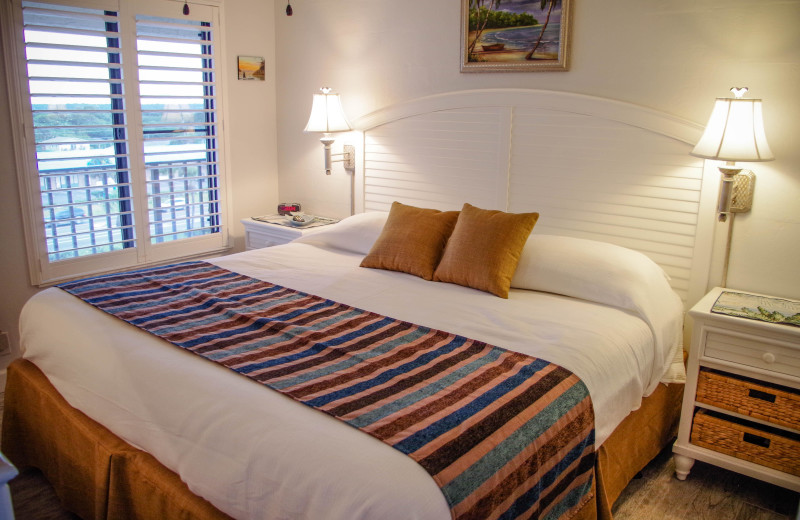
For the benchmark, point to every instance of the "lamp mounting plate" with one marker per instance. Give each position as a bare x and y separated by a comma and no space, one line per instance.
743,186
349,158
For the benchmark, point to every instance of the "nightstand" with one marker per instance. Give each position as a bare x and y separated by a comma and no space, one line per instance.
268,231
741,403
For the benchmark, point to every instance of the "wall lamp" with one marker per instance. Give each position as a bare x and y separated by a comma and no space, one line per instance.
328,117
735,132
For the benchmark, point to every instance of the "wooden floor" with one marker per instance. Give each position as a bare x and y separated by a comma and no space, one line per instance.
709,493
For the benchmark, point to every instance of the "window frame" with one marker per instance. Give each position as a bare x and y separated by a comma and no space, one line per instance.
44,272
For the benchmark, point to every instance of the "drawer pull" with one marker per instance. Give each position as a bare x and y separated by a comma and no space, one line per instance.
764,396
756,439
768,357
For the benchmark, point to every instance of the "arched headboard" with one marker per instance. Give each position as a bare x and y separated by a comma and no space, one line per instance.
592,167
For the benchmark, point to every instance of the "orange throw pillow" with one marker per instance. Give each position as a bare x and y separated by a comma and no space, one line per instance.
412,240
484,249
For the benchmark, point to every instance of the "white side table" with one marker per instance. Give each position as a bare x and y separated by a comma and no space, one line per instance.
748,373
258,234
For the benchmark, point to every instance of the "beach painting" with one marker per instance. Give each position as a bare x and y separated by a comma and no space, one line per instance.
251,67
514,35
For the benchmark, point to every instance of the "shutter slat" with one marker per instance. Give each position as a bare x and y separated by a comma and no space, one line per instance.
75,64
175,55
73,47
70,31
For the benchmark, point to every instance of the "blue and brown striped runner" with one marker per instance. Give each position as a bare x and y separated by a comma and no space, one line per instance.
504,435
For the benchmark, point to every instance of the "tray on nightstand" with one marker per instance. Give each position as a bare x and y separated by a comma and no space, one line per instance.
281,220
757,307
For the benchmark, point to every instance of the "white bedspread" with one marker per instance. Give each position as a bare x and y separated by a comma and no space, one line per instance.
254,453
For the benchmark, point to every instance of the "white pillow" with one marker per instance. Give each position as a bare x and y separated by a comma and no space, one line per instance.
355,234
607,274
586,269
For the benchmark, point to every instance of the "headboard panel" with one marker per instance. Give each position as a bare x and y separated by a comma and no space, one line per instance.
606,180
439,159
593,168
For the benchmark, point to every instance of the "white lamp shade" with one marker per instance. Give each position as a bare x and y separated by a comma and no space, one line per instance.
327,115
735,132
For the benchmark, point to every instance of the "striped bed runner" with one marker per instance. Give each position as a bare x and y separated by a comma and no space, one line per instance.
504,435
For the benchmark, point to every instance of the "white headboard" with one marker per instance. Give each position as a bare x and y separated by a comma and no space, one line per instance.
593,168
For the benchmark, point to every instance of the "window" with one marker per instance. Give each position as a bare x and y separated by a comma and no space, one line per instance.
124,149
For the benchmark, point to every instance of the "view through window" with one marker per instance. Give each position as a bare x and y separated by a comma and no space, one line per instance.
90,135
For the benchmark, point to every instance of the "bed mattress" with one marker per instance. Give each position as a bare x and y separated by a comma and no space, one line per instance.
254,453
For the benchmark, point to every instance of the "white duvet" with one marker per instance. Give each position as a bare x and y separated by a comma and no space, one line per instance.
254,453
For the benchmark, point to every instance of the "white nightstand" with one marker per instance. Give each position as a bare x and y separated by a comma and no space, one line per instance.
258,234
742,395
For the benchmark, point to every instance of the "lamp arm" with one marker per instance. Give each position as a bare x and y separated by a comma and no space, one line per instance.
348,157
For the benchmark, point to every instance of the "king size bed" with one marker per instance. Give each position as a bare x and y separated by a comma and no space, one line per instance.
127,425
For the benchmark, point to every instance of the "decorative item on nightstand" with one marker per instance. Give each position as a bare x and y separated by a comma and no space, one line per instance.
741,403
327,116
735,132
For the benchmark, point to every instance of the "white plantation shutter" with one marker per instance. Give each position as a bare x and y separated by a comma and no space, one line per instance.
177,95
125,137
79,122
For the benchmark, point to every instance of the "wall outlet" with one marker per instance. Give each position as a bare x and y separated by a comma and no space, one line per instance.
5,344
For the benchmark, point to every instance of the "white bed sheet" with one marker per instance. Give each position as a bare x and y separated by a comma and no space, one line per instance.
254,453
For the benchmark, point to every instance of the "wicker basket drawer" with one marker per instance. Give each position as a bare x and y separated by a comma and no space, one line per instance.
776,404
761,445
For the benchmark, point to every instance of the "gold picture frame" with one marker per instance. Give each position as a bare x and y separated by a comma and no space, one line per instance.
515,36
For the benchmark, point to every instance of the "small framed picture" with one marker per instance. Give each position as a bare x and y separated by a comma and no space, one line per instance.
251,68
522,35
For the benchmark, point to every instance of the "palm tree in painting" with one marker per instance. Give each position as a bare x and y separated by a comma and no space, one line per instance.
552,3
480,25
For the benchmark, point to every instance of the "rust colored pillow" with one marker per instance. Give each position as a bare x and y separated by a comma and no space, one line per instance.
484,249
412,240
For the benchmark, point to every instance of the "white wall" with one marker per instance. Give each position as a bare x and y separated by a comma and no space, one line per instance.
674,56
250,26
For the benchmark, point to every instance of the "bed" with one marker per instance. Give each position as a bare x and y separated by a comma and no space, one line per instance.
127,426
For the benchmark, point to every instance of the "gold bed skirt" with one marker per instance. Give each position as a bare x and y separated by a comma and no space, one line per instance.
99,476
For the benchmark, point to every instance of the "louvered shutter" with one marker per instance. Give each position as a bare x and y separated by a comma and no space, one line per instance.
179,125
79,120
126,142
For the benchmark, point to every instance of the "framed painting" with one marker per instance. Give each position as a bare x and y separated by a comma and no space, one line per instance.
251,67
514,35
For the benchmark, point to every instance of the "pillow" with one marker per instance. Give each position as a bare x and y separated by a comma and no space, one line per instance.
412,240
484,249
356,233
587,269
607,274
